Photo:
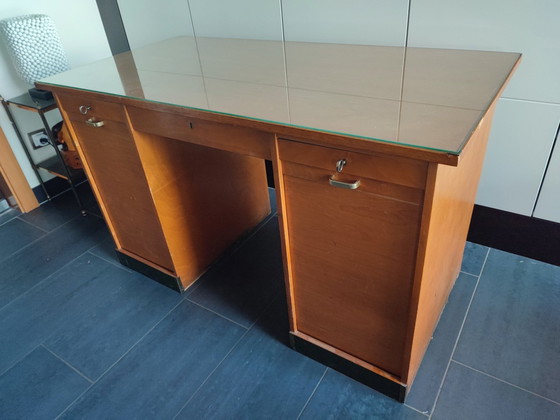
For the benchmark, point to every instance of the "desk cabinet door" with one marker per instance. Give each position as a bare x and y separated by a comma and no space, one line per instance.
352,255
115,167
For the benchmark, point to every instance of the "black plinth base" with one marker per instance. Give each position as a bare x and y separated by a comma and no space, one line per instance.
167,280
356,372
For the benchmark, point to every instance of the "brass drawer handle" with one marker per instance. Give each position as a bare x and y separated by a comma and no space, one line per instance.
95,124
346,185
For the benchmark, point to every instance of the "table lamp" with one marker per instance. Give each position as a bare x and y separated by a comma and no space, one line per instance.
35,49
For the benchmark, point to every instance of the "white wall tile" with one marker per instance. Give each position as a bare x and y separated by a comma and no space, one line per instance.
247,19
527,26
369,22
148,21
520,142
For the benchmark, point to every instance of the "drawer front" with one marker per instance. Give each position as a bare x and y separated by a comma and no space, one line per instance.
352,258
389,169
221,136
80,108
116,170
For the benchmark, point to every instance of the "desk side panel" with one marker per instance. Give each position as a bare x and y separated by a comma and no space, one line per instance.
448,206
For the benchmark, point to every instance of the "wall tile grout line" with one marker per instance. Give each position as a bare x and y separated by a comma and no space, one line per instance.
312,393
67,363
120,358
505,382
225,357
458,336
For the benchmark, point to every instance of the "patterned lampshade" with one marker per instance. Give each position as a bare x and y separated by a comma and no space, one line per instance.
34,46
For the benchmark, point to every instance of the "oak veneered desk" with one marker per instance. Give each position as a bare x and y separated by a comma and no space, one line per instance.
376,162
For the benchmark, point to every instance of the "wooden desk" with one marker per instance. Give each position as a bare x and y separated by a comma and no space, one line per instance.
376,167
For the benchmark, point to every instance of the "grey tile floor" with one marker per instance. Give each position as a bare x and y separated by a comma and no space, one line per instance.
83,337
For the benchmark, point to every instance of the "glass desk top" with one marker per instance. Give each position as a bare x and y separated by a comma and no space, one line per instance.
419,97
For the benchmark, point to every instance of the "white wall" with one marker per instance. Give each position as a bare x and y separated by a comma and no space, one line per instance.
369,22
149,21
529,113
378,22
250,19
83,38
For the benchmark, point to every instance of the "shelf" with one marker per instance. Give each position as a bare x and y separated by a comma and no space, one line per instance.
29,103
54,166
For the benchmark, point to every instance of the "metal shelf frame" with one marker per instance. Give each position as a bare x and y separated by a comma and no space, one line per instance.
54,165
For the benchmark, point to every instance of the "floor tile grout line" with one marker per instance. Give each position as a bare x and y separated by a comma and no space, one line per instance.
140,339
11,366
9,220
312,393
505,382
458,336
67,364
469,274
75,400
54,273
226,356
211,373
107,260
38,239
47,277
33,242
425,414
148,332
120,358
217,313
32,224
54,229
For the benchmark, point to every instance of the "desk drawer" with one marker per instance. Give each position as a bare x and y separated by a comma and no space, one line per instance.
221,136
389,169
96,109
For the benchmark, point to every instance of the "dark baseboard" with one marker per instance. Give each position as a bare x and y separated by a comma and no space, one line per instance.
522,235
352,370
162,278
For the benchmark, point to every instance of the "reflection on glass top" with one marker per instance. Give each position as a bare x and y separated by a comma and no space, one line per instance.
426,98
